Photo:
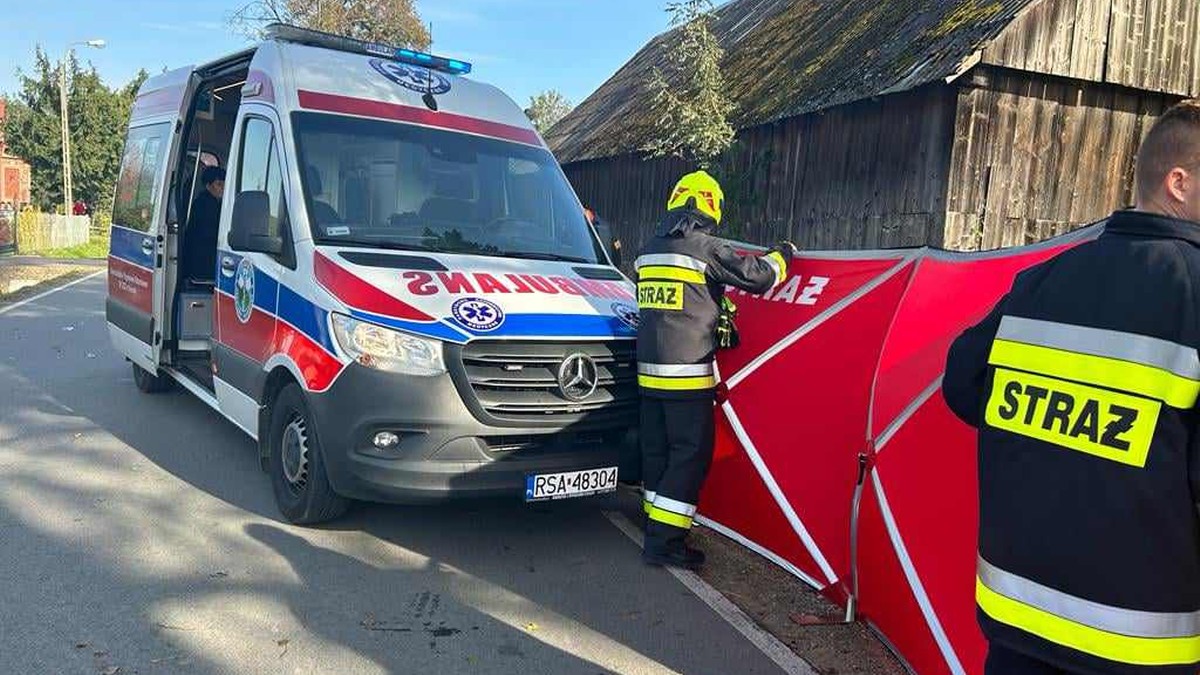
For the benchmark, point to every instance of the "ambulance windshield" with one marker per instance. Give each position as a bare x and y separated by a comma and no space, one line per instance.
391,185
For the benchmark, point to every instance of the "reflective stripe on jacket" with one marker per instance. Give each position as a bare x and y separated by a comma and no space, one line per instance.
1083,383
682,274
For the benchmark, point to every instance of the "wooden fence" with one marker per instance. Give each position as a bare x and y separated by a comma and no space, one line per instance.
46,231
8,231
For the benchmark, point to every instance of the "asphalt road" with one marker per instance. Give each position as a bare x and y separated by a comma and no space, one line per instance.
137,532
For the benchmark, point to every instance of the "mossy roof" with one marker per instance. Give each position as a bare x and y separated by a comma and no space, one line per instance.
790,57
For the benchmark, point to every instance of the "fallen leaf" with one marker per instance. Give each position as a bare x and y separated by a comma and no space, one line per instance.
81,645
219,574
283,643
111,670
99,653
531,627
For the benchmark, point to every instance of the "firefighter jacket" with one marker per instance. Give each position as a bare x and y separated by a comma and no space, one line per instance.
1083,383
682,274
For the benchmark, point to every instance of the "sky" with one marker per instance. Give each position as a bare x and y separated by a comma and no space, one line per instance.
521,46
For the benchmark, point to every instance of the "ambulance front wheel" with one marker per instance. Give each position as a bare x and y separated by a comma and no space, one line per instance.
149,383
296,463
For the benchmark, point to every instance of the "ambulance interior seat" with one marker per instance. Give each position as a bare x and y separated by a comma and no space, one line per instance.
322,213
450,211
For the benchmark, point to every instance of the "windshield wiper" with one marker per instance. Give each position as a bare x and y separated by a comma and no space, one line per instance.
373,243
539,255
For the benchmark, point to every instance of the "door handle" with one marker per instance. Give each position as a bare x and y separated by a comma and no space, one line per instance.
148,246
227,266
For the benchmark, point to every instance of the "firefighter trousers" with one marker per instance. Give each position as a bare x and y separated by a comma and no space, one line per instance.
1004,661
677,448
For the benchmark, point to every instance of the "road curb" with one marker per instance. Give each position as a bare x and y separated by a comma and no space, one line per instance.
768,644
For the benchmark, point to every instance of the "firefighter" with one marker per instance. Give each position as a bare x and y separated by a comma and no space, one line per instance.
682,274
1083,384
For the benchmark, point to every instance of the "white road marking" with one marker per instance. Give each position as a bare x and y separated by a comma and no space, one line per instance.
8,308
768,644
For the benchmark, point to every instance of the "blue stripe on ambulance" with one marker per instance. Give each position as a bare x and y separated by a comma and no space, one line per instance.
278,299
306,317
436,330
559,325
126,244
266,287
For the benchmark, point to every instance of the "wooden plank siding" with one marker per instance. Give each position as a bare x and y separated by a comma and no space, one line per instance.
1144,44
1059,37
866,175
1036,156
1154,45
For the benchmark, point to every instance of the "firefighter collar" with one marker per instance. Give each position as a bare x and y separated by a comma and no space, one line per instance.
1143,224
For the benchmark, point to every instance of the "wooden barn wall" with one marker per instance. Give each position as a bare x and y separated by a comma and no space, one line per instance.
1143,44
1037,156
868,175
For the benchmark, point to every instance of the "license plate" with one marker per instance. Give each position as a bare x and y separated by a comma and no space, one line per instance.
546,486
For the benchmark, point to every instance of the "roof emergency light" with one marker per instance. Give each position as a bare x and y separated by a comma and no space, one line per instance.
452,66
314,38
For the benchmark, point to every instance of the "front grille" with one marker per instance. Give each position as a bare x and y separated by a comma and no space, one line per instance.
500,447
518,381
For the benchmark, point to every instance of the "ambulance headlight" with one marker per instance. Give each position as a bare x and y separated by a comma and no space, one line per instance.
385,349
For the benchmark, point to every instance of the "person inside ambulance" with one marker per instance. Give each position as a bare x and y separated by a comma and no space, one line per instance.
199,255
682,274
1083,383
604,232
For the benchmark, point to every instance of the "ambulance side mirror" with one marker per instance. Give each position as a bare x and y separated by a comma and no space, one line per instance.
250,227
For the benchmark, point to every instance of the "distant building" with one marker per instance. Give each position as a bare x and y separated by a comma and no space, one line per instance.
966,124
14,172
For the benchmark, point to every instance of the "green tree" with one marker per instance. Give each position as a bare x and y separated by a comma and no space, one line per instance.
546,109
689,107
393,22
98,116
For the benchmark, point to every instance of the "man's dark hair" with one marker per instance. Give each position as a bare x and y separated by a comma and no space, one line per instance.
210,174
1173,141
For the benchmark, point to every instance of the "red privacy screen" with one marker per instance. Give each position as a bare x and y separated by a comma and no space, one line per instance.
842,364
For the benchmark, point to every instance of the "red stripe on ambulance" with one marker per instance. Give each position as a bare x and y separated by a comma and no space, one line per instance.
253,338
318,367
361,295
130,284
404,113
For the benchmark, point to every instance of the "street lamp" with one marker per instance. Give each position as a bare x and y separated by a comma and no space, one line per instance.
68,186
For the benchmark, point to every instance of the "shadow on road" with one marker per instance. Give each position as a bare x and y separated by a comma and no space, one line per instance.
149,533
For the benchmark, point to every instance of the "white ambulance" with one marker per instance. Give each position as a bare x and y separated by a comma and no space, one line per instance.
400,299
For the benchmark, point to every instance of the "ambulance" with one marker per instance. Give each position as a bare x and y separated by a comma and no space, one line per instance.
404,300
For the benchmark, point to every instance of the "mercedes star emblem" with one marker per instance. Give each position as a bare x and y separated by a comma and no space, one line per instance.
578,377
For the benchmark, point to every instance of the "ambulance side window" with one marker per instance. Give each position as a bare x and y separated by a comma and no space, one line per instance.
259,167
138,185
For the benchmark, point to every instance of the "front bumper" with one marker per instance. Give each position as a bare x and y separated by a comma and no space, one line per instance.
445,450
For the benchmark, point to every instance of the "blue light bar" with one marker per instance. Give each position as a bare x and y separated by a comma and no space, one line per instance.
452,66
286,33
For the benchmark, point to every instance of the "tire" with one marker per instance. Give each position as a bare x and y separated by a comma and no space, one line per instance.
150,383
296,463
